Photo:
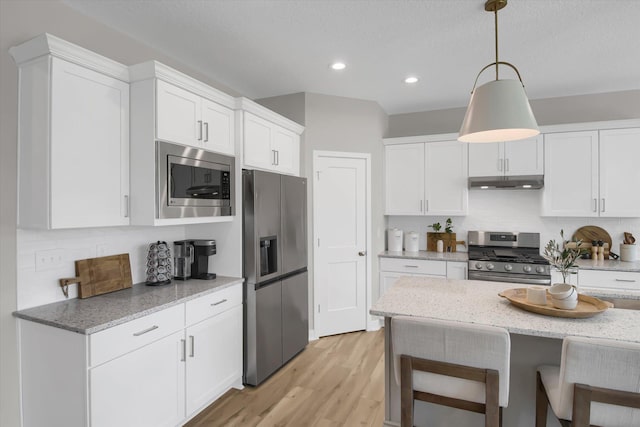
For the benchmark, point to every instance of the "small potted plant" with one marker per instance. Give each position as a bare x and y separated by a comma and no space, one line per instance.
563,259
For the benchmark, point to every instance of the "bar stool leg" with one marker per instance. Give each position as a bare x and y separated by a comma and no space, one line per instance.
406,391
542,403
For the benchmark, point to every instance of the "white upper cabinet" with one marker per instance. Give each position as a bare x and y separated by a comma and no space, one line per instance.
404,179
525,157
620,173
426,178
73,137
590,173
190,119
270,141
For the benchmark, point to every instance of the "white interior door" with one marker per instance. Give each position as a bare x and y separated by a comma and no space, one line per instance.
340,231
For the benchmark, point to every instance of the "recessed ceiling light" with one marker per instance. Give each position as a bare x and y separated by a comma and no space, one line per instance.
411,80
484,187
338,66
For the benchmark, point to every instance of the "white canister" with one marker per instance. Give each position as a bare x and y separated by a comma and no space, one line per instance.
394,240
628,252
411,241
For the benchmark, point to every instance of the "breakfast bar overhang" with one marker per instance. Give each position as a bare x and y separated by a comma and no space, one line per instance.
535,339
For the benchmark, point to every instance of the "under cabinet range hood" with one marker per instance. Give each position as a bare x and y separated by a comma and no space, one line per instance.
523,182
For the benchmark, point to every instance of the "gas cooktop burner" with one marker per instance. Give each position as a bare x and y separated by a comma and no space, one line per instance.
507,257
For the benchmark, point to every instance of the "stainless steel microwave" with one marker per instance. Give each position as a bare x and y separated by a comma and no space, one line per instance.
192,182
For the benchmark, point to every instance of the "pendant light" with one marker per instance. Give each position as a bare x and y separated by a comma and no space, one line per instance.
498,110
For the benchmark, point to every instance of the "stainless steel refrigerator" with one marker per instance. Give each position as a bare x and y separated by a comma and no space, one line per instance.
276,321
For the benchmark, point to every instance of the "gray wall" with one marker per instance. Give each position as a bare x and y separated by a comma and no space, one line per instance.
549,111
19,22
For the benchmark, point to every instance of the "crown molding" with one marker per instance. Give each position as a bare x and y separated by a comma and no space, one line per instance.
156,70
47,44
253,107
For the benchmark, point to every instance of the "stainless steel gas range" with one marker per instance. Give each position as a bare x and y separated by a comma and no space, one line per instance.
507,257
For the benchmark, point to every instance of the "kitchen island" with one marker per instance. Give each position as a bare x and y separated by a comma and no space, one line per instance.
535,340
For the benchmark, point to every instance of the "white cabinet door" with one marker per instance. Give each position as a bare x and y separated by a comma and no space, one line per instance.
571,174
218,129
446,176
257,142
89,148
286,146
141,388
524,157
404,179
456,270
214,357
620,173
486,159
178,116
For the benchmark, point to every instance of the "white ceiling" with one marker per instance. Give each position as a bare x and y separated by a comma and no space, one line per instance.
264,48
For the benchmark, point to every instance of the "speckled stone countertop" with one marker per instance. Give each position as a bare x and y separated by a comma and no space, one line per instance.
609,265
91,315
472,301
429,255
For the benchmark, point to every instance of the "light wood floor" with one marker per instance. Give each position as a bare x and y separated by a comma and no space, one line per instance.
335,381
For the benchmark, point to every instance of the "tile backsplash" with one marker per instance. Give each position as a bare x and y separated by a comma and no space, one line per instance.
513,210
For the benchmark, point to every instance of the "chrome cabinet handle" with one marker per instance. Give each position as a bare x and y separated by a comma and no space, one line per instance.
411,266
426,205
153,328
421,201
500,164
126,206
199,130
183,355
273,157
626,280
192,348
595,205
506,168
602,205
219,302
206,132
277,157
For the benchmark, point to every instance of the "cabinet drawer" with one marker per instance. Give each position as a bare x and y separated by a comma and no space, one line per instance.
113,342
609,279
414,266
213,303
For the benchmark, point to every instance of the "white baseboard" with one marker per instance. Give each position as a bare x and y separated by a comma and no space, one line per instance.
312,335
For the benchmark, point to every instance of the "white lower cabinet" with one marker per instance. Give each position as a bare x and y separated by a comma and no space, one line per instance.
214,358
391,269
607,279
152,371
144,388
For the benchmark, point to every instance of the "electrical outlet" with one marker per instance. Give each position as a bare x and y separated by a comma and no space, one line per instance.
50,259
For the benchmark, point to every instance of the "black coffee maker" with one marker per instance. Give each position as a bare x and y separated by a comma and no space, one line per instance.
202,250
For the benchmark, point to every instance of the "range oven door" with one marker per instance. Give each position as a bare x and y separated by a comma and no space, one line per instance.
526,279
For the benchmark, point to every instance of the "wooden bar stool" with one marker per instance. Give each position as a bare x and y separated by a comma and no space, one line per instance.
597,383
454,364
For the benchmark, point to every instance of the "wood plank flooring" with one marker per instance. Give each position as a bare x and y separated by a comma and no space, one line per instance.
335,381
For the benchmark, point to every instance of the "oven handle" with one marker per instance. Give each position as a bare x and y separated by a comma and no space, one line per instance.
496,278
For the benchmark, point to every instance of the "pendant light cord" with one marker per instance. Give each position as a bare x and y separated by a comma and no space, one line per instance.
495,12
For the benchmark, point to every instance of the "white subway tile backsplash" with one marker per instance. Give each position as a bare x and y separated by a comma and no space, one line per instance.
513,210
42,287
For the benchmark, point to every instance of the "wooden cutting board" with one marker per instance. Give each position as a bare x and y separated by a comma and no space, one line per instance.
448,240
591,232
103,275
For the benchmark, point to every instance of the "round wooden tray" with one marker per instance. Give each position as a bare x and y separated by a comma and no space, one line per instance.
587,306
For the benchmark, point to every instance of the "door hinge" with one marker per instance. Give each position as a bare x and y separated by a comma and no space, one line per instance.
318,242
318,175
318,308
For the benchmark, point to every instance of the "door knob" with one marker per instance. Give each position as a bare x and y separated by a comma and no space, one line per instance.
362,253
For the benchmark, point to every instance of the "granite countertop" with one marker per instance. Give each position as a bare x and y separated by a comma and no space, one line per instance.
472,301
428,255
609,265
91,315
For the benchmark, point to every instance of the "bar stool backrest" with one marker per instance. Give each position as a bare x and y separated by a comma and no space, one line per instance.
466,344
600,363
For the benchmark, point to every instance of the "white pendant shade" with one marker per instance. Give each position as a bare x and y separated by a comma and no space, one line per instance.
498,111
